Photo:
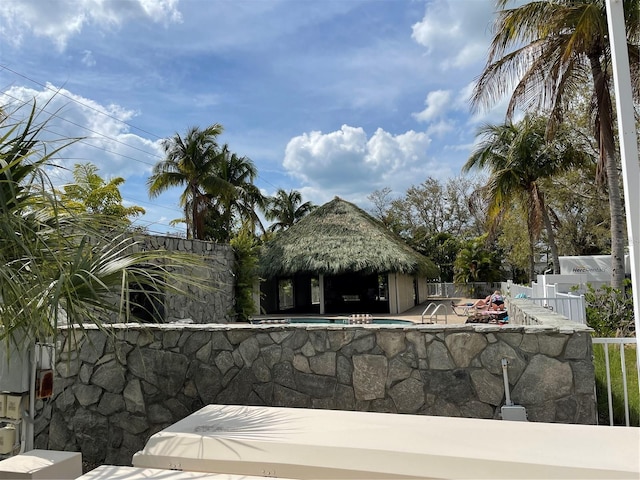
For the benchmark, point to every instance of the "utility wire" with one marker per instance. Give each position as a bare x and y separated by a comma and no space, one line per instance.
58,92
98,134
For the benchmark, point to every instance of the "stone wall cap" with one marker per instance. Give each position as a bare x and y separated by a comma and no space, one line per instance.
431,328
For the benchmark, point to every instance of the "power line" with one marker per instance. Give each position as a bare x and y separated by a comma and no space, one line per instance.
99,134
58,92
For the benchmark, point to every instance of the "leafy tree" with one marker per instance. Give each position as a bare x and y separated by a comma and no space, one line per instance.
513,240
246,251
433,217
90,193
443,249
543,52
58,266
517,156
286,208
433,207
476,262
381,201
580,208
190,162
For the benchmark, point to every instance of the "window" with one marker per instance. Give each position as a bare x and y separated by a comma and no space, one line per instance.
285,294
315,291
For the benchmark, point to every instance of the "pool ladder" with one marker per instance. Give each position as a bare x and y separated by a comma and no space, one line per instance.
433,310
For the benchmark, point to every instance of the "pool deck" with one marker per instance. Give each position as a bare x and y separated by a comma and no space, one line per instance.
413,314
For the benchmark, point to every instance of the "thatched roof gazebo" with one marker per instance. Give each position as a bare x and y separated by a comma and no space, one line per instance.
342,242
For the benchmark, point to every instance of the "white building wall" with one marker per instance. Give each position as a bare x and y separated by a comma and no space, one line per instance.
423,289
400,292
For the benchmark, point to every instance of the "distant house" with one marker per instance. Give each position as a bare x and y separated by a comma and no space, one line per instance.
339,259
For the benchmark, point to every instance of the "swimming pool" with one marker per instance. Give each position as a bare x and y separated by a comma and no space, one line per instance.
333,321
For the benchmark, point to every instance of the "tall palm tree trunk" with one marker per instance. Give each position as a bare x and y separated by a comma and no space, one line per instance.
605,137
532,251
551,238
538,203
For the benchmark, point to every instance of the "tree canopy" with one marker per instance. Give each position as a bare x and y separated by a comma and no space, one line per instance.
92,194
189,162
542,55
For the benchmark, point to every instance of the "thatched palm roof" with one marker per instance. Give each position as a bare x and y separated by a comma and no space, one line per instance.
337,238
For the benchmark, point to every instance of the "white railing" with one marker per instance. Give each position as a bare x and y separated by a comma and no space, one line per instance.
514,290
572,306
432,310
620,343
451,290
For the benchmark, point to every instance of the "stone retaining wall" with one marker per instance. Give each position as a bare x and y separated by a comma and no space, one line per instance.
113,390
526,312
201,305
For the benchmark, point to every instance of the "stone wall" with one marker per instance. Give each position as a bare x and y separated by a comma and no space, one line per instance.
214,305
115,389
526,312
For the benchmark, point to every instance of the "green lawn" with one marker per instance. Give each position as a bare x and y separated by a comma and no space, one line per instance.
617,391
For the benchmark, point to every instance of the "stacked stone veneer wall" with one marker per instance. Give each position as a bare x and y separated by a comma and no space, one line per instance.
113,390
211,305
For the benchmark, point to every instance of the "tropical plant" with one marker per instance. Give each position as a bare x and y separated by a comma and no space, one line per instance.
286,208
91,193
517,156
190,162
543,53
232,195
443,249
476,263
59,266
246,251
610,311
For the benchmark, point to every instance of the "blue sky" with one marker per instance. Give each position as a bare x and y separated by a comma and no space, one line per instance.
328,97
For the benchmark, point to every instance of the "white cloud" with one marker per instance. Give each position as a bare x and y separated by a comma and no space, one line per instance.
441,128
437,103
64,18
463,98
88,59
454,32
348,163
105,139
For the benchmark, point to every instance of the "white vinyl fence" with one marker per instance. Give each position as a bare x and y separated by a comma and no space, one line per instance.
451,290
573,306
619,344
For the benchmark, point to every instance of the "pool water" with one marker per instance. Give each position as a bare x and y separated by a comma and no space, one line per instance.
336,321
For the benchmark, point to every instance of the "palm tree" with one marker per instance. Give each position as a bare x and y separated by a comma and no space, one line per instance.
543,53
91,193
232,195
190,161
517,156
287,209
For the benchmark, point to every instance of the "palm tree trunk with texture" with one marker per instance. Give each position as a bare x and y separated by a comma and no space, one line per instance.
605,137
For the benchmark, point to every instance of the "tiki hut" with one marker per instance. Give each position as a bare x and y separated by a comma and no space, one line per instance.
339,259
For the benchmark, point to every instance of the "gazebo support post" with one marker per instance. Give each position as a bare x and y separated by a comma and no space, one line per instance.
321,285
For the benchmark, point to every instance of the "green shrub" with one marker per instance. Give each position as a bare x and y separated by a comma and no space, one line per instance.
245,248
610,311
